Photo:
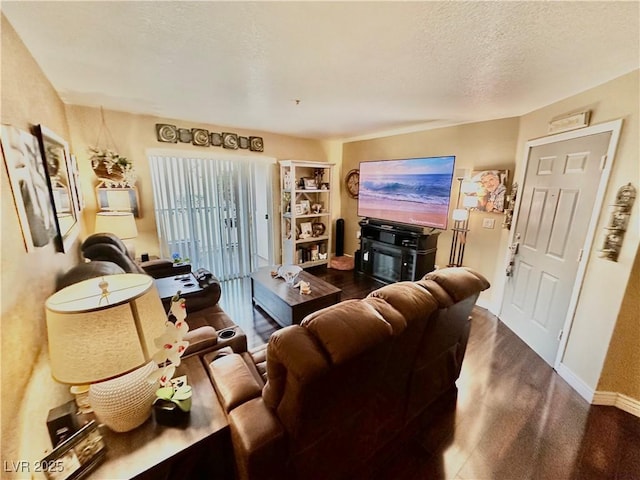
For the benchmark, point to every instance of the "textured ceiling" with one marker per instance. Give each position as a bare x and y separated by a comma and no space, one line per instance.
357,67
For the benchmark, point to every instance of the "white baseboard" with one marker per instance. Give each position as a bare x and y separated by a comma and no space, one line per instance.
576,383
613,399
619,400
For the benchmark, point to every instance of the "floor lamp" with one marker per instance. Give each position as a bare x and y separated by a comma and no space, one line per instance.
460,227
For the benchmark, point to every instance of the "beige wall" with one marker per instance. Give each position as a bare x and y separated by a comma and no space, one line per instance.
133,135
605,282
477,146
27,278
621,372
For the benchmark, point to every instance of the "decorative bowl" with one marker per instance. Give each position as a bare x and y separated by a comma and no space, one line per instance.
289,273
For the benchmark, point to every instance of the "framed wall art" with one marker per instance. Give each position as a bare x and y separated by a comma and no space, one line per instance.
62,184
310,183
489,187
29,186
116,199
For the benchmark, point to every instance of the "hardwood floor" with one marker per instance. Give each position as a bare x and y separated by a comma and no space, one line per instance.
513,418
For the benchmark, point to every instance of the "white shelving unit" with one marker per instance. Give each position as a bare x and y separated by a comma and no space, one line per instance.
305,212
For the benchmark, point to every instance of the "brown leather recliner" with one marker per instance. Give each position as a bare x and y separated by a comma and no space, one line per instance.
348,380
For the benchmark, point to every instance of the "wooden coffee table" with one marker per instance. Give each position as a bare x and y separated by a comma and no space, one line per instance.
284,303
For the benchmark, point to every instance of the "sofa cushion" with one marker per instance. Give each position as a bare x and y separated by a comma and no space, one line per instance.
459,282
347,329
411,300
111,253
233,381
101,238
85,271
292,351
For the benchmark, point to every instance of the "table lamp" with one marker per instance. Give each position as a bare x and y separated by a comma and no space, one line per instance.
101,332
122,225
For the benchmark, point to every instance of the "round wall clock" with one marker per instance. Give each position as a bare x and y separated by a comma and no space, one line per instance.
352,181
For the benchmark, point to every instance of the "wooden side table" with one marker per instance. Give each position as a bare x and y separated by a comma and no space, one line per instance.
199,449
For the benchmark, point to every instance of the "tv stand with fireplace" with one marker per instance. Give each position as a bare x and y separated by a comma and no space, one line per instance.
393,253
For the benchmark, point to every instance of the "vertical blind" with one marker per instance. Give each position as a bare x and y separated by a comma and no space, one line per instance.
204,209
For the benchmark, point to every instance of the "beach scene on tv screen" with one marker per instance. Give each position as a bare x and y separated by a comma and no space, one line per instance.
414,191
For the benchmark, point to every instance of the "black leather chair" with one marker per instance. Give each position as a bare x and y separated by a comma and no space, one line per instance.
109,248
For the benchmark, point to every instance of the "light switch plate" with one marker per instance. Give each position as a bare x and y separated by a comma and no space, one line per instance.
488,223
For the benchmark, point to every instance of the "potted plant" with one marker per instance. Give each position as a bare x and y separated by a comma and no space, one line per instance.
173,398
111,168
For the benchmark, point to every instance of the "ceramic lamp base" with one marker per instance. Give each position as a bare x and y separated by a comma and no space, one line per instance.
124,403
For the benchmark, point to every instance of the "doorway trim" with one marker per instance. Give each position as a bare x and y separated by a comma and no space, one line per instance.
614,127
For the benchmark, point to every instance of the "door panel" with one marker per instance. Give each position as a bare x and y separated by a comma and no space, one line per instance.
560,188
562,223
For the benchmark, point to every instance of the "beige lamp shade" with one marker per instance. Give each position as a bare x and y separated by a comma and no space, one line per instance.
121,224
103,327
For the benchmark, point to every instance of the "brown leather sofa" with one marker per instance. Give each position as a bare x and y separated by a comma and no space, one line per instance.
349,380
210,328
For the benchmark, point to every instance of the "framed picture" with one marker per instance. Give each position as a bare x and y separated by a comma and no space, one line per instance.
76,176
200,137
489,189
230,140
306,207
62,182
310,183
306,230
118,199
29,184
256,144
76,457
298,209
166,133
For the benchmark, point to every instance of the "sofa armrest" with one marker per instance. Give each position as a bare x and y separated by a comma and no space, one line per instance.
233,381
259,443
200,339
161,268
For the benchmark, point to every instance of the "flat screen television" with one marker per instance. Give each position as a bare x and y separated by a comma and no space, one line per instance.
413,191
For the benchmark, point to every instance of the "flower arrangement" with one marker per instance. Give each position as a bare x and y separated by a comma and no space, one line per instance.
111,168
171,345
177,258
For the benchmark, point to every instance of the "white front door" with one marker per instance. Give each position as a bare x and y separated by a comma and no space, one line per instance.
558,197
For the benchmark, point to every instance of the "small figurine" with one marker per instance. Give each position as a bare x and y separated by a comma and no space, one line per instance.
305,287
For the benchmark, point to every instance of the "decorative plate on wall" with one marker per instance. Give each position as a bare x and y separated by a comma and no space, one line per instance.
243,142
216,139
184,135
200,137
166,133
255,144
230,140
